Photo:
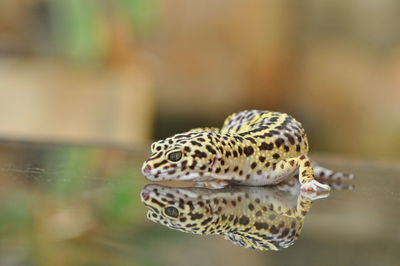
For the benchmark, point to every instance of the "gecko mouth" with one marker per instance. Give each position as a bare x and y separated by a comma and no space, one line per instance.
155,174
173,174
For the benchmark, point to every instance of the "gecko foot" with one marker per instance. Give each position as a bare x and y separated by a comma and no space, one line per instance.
314,185
313,195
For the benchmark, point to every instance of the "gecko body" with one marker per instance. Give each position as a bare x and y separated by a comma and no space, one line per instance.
253,148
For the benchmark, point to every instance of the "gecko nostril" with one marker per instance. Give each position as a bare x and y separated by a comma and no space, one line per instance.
147,168
145,195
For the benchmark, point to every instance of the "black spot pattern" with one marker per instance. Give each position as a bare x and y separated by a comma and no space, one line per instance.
248,150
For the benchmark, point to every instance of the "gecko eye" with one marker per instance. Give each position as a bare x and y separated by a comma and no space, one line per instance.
171,212
175,156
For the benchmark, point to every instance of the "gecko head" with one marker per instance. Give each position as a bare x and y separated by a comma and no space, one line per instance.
177,208
187,156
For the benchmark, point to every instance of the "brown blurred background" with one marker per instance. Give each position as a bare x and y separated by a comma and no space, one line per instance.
128,71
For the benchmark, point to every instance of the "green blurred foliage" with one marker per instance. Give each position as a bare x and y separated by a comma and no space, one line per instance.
81,28
142,14
77,29
16,213
121,204
75,165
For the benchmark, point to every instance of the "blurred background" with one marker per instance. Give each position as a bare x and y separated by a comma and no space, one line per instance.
119,74
128,71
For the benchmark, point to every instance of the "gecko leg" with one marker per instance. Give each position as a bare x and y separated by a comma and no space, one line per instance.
306,176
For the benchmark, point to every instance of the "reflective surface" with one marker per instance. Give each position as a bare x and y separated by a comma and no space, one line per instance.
67,205
263,218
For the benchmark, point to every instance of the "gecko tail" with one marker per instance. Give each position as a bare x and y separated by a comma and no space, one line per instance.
324,174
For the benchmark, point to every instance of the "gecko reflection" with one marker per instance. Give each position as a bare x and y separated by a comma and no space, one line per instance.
264,218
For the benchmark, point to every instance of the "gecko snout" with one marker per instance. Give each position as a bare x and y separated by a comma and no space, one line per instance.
146,169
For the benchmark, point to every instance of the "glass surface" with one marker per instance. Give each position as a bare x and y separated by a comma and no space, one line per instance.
77,205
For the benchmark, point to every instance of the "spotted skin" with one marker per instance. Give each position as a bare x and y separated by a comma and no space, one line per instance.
254,148
263,218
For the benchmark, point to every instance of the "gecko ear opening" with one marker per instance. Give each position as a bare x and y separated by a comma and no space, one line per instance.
217,157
